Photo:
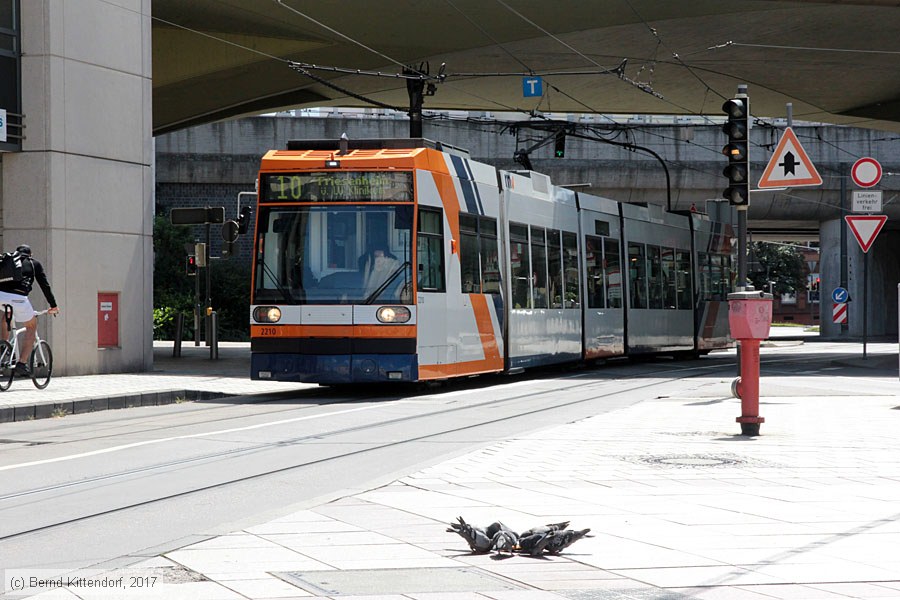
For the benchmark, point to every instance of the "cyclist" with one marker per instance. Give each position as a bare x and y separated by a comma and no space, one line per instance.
15,293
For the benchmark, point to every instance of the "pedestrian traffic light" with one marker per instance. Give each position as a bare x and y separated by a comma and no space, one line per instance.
737,128
559,145
190,264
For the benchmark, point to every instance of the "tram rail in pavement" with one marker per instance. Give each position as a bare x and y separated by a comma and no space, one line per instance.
194,376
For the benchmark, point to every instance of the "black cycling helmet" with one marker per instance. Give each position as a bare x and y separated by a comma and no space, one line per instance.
24,249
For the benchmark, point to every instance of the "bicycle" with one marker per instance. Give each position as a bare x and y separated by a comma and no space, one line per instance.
40,362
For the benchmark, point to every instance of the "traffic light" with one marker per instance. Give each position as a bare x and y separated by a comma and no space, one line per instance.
190,264
559,145
737,128
244,219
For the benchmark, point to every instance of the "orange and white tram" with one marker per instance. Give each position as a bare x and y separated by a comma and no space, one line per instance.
404,260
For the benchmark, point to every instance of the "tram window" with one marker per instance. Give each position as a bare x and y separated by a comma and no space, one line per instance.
520,265
554,264
490,256
654,280
612,267
593,266
342,249
570,264
705,284
717,275
637,275
539,267
668,278
430,251
730,275
601,228
683,283
468,254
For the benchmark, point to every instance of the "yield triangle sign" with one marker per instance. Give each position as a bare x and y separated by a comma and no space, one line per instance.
865,228
789,166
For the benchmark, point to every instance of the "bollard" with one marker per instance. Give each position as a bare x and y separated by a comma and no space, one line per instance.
213,336
179,333
749,316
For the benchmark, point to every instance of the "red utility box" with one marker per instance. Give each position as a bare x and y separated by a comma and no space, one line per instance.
750,315
107,319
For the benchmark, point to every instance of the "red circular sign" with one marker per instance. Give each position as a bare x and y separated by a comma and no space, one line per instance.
866,172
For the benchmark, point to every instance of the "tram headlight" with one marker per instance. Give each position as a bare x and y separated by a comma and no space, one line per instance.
393,314
267,314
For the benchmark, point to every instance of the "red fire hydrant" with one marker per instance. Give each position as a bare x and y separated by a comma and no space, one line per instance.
749,315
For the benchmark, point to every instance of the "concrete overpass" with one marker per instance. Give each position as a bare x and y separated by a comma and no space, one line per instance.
87,84
212,163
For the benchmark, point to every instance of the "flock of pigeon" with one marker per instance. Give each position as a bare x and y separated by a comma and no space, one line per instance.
551,538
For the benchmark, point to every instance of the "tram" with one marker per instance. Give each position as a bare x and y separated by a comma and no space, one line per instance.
402,260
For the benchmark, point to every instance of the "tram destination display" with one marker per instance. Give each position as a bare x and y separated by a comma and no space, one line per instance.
338,186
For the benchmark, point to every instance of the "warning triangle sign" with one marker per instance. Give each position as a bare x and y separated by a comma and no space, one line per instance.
789,166
865,228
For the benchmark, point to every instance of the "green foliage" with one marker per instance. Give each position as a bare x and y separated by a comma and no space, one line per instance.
162,321
173,290
779,263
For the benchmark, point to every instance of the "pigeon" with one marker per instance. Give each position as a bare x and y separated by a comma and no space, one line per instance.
476,537
534,543
544,528
492,529
505,541
563,538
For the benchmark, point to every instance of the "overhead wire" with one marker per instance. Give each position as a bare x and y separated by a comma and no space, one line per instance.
804,48
618,129
384,56
675,55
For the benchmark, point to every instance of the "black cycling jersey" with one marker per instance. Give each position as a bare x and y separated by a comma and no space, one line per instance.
32,270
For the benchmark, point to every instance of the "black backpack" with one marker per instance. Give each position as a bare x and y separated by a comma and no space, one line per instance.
11,267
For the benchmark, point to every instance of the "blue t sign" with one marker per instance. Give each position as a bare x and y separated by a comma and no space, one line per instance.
532,87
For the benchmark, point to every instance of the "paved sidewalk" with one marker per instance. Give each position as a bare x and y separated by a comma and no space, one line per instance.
193,376
679,506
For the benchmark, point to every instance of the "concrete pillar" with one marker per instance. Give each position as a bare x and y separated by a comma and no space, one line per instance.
884,274
81,192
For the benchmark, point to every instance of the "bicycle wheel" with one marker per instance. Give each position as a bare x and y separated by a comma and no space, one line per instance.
41,363
7,365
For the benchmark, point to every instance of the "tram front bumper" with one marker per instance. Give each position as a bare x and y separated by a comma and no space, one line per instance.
333,369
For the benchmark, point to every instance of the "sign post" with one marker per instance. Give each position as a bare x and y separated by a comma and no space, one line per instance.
865,229
201,215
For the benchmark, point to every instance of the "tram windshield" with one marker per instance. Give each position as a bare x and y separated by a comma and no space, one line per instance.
334,254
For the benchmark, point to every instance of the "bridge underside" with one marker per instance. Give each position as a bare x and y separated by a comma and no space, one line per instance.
836,61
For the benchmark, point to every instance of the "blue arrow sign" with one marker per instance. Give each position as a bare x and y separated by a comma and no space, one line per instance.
532,87
840,295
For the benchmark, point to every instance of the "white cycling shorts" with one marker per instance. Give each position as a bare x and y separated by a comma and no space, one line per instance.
22,309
